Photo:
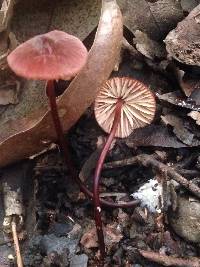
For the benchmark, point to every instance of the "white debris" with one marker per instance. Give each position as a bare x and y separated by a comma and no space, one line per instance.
150,195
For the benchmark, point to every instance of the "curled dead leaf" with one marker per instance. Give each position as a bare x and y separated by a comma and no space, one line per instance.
188,82
195,115
89,239
149,48
79,95
9,92
182,132
153,135
177,99
112,235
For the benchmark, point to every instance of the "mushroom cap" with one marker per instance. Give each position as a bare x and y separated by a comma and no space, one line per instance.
50,56
138,108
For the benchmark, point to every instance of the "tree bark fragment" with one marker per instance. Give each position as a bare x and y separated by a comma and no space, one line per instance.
183,43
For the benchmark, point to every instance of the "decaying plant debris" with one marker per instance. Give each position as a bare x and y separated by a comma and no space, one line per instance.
51,220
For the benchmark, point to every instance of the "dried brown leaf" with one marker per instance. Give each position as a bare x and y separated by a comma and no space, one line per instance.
9,93
153,135
179,129
79,95
36,17
187,82
6,11
195,115
89,239
149,48
155,18
112,235
177,99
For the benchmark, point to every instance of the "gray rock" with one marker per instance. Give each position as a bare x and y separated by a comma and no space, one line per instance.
61,229
58,249
79,261
186,219
51,243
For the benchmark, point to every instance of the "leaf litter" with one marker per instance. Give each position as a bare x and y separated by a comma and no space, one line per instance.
165,152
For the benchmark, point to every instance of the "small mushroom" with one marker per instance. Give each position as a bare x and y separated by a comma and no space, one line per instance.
51,56
137,110
122,105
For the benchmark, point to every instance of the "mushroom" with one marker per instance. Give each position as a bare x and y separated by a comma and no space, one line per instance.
51,56
122,105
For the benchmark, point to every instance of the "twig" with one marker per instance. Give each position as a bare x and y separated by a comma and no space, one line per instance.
121,163
149,160
16,244
170,260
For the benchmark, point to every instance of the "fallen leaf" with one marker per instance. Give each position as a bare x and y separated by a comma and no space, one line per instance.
9,90
153,135
112,235
177,99
149,48
147,17
190,85
195,115
195,95
89,165
89,239
6,11
187,82
179,129
8,42
45,15
79,95
123,218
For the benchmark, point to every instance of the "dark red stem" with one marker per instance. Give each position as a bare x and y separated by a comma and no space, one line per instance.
97,204
50,90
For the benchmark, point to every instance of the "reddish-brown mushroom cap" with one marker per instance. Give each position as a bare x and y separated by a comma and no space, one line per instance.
138,107
51,56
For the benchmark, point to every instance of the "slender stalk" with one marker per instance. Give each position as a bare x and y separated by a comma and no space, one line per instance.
97,204
50,90
16,244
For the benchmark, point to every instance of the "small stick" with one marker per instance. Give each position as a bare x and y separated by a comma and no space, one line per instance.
16,244
149,160
170,260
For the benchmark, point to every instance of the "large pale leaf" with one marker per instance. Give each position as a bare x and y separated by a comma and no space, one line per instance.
79,95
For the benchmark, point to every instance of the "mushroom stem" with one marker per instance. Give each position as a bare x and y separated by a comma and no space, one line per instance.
97,204
50,90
